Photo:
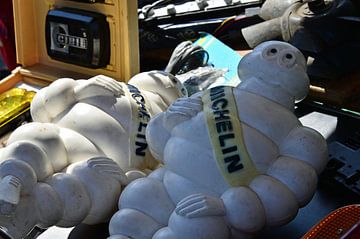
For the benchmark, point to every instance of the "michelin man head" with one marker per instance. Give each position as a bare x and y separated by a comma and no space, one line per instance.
277,64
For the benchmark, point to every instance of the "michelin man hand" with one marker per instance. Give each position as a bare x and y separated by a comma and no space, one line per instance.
9,195
108,167
199,205
98,86
181,110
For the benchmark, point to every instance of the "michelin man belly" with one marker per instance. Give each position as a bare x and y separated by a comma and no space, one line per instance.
235,159
87,139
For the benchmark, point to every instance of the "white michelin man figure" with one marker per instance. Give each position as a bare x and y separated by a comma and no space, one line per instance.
87,139
235,159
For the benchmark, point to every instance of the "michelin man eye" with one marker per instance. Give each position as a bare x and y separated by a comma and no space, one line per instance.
273,51
270,52
287,59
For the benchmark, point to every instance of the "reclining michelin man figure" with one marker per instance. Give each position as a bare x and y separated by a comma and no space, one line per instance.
87,139
235,159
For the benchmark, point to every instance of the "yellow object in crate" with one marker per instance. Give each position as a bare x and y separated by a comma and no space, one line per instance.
13,104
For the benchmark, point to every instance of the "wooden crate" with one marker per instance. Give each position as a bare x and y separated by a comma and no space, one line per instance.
37,67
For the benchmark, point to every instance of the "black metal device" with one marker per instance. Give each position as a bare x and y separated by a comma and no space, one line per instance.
344,155
78,37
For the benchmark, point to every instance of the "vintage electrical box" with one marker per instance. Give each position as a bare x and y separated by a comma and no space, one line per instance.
77,39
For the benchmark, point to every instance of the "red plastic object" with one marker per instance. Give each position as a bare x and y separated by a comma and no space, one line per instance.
353,233
343,223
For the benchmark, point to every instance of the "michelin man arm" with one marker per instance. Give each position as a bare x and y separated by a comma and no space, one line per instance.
302,156
181,110
240,205
51,101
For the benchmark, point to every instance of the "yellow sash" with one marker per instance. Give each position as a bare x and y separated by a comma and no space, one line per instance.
226,136
140,119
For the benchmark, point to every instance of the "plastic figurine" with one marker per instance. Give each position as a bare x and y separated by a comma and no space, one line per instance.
87,140
235,159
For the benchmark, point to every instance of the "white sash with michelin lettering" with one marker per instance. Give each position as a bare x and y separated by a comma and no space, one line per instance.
226,136
140,118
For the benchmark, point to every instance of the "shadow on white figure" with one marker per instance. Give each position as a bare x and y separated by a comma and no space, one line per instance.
235,159
87,140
